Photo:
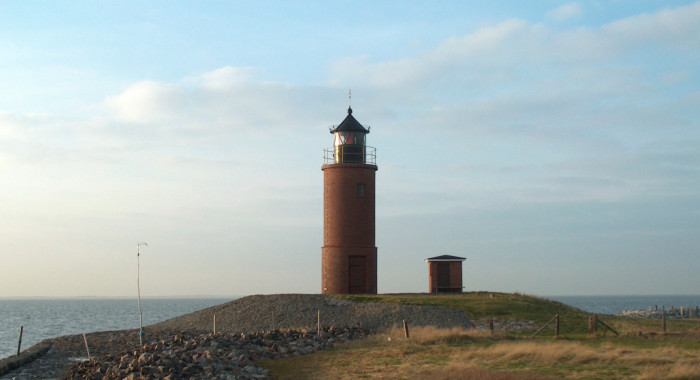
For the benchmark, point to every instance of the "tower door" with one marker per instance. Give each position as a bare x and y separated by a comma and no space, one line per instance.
356,274
443,280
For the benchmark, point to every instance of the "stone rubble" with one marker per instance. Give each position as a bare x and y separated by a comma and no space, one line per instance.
28,356
506,325
210,356
658,313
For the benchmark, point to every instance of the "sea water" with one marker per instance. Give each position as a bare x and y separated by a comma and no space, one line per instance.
49,318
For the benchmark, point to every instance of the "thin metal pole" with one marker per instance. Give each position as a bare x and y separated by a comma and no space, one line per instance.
138,289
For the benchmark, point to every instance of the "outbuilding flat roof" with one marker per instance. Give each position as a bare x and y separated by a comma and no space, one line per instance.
446,258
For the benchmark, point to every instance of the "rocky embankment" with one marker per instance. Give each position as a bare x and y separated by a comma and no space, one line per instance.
28,356
248,329
209,356
658,313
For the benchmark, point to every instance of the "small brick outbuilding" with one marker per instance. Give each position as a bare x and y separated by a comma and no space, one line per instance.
445,274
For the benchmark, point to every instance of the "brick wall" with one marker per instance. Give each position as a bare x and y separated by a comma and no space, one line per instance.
455,276
348,225
335,266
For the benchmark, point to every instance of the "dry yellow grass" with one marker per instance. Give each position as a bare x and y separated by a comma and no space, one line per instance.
576,359
432,335
435,354
463,371
566,352
682,369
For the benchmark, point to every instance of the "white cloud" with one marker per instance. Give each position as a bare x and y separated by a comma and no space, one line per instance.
676,28
484,43
8,126
492,55
223,100
225,77
150,102
451,57
564,12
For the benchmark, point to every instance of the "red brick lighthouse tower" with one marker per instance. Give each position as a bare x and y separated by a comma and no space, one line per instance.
349,263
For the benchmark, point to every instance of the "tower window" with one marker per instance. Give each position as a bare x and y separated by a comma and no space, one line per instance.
360,189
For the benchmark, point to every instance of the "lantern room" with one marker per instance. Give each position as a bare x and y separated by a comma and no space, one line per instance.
349,143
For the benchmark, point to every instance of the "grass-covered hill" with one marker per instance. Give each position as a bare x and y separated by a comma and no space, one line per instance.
641,351
486,305
478,305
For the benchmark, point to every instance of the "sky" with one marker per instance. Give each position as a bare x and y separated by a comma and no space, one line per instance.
553,144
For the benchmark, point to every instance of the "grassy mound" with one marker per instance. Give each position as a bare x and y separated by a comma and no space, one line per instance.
640,352
483,305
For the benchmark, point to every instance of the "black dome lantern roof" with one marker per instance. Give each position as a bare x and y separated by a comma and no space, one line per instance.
350,124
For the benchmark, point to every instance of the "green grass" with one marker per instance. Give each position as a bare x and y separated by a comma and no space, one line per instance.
480,304
484,305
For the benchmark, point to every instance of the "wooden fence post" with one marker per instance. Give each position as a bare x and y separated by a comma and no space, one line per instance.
19,344
592,322
663,321
214,322
595,324
87,348
556,326
318,322
405,328
491,330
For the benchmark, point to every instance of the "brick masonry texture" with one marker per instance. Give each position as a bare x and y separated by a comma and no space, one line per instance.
335,269
348,225
455,276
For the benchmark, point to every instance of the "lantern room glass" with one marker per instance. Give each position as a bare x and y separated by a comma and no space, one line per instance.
349,138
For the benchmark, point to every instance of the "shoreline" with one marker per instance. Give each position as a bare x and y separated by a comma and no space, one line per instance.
175,353
244,318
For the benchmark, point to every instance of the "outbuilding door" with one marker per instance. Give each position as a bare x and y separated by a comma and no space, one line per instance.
356,274
443,280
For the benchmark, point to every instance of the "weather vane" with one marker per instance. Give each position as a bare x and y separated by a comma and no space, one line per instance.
350,98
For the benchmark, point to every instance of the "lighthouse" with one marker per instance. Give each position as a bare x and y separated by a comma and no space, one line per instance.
349,254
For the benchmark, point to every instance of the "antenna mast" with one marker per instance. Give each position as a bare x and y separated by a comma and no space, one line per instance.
138,288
